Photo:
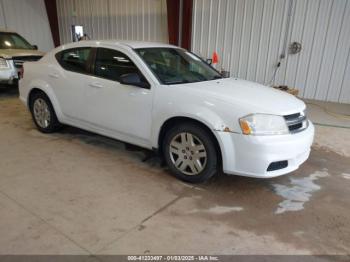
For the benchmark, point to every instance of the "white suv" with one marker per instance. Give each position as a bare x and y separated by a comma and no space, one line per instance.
165,98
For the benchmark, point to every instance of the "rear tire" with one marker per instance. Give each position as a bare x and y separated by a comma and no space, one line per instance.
43,113
190,153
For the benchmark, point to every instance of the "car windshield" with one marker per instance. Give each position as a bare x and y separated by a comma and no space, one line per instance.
13,41
177,66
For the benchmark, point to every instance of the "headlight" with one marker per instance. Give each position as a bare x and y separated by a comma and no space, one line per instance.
263,124
4,64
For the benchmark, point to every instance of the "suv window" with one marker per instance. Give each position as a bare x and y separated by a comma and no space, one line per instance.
111,64
76,59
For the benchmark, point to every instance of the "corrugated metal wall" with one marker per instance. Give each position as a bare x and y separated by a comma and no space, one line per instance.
249,36
29,19
114,19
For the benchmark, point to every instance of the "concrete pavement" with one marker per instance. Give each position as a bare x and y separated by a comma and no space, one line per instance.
74,192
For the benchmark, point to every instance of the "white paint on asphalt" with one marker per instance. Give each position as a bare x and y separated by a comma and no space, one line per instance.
298,193
218,210
346,176
223,210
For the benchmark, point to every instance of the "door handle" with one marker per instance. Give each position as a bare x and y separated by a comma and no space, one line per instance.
138,93
96,85
53,75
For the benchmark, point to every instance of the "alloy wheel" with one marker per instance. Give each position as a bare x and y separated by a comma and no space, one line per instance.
188,153
42,113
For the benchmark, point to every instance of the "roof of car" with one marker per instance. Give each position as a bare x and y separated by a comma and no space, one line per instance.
131,44
143,44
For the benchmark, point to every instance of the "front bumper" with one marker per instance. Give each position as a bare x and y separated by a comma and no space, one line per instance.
251,155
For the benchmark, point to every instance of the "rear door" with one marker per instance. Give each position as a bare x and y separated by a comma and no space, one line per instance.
70,81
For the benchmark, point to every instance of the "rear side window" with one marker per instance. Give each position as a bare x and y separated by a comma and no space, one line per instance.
76,60
111,64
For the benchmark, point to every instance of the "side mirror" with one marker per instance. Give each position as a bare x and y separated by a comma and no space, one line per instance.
209,61
133,79
35,47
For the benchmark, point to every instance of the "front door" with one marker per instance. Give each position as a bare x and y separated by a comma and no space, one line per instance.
124,110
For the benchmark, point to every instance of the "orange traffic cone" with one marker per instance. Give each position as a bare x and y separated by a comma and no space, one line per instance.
215,58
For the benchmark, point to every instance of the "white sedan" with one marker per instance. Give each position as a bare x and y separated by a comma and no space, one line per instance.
165,98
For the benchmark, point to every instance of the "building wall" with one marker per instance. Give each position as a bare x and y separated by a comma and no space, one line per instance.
29,19
249,35
114,19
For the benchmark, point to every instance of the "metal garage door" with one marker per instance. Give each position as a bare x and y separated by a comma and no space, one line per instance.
250,36
29,19
109,19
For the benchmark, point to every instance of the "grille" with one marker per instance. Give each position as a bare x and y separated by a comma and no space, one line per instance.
296,122
19,60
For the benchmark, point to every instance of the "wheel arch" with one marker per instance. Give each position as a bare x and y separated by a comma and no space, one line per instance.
169,123
31,94
36,88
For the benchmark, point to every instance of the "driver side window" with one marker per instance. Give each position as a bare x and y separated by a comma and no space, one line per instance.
111,64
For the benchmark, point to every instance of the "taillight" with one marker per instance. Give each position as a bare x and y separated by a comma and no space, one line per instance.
21,72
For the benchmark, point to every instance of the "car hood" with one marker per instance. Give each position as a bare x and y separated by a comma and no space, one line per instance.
9,53
256,98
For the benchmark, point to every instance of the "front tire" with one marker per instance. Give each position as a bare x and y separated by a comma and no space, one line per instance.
190,153
43,114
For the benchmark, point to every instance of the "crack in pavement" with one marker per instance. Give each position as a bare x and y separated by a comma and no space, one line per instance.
46,222
170,203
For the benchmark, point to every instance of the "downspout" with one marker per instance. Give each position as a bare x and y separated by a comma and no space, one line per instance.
287,32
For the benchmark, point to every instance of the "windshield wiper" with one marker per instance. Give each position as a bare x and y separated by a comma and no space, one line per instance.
178,82
217,77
